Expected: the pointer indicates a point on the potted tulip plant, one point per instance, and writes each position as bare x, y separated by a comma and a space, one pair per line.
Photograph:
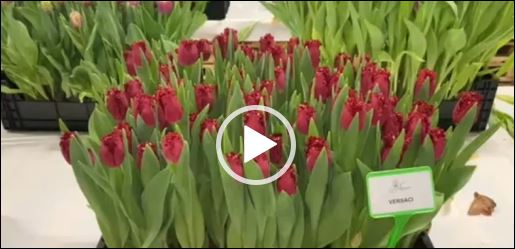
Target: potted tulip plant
149, 171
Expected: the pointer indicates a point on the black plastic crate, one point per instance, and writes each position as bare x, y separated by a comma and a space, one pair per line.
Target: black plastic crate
217, 10
487, 87
29, 115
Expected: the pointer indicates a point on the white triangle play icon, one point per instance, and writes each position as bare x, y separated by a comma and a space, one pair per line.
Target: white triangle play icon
254, 144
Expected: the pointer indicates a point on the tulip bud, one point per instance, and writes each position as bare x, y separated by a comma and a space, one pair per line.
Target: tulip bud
280, 57
66, 138
382, 106
248, 51
205, 95
204, 48
253, 98
266, 42
371, 76
112, 149
125, 127
304, 115
164, 69
288, 182
325, 83
313, 47
276, 153
256, 121
390, 130
209, 125
292, 44
280, 78
264, 165
47, 6
438, 138
314, 147
165, 7
133, 56
223, 40
144, 106
172, 145
141, 150
234, 160
354, 107
133, 88
426, 76
76, 19
268, 85
466, 101
117, 104
169, 106
424, 108
414, 119
341, 60
188, 52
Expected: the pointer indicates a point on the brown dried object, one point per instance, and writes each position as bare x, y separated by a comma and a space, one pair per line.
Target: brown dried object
482, 205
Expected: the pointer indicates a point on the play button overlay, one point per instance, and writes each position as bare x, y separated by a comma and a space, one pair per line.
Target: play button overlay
255, 144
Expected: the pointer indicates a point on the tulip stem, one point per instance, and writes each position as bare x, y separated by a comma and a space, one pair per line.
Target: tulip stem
400, 223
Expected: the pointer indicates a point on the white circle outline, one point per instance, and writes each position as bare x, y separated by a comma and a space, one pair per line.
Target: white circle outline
221, 158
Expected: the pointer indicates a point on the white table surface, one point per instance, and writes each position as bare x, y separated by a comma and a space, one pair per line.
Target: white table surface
42, 206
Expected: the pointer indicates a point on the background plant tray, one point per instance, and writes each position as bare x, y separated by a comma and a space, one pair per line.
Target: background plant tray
487, 87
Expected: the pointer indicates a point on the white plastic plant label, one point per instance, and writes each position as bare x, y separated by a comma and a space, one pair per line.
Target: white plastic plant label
399, 192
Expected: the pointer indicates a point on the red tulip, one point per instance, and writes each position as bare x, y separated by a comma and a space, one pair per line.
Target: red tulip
371, 76
414, 119
133, 88
124, 127
117, 104
390, 130
314, 147
314, 51
66, 138
169, 106
209, 125
253, 98
424, 108
354, 107
188, 52
133, 56
268, 85
466, 101
223, 40
141, 150
164, 69
280, 78
235, 162
382, 106
266, 42
438, 138
172, 145
292, 44
112, 149
288, 182
276, 153
165, 7
192, 118
205, 95
304, 115
248, 51
341, 60
382, 80
256, 121
205, 49
325, 83
264, 165
144, 106
279, 55
426, 76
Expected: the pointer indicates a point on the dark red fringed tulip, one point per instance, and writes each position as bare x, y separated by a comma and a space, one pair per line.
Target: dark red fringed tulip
65, 145
382, 106
205, 95
165, 7
414, 119
188, 53
466, 101
117, 104
292, 44
253, 98
341, 60
314, 147
288, 182
205, 48
279, 55
235, 162
268, 85
133, 88
144, 107
172, 145
391, 128
439, 141
248, 51
426, 76
124, 127
276, 153
223, 40
170, 108
424, 108
164, 69
264, 165
325, 83
313, 47
133, 56
256, 121
304, 115
280, 78
354, 107
209, 125
112, 149
266, 42
372, 76
141, 150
